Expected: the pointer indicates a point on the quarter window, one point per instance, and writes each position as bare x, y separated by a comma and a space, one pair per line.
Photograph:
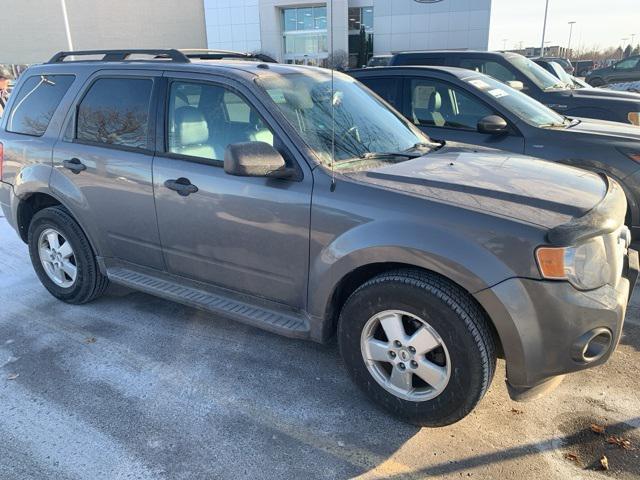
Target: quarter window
439, 104
36, 102
115, 111
203, 119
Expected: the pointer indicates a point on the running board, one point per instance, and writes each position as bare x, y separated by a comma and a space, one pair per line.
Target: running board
289, 324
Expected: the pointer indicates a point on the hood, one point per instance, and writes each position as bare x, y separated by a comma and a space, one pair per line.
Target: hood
535, 191
605, 93
614, 130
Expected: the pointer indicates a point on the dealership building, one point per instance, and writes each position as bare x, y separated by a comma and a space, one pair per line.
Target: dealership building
293, 31
300, 31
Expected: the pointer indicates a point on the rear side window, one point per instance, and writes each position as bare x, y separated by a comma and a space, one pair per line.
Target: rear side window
36, 102
115, 111
488, 67
387, 87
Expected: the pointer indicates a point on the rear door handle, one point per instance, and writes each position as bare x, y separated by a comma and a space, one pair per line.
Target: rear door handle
182, 185
75, 165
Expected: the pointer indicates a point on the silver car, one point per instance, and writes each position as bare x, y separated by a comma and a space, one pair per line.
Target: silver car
297, 202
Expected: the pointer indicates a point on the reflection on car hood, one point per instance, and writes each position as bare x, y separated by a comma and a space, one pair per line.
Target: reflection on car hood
531, 190
605, 93
610, 129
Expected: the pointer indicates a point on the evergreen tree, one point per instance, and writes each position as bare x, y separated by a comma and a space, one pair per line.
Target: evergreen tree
627, 51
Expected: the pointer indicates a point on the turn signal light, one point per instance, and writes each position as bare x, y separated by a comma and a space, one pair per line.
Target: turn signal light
551, 262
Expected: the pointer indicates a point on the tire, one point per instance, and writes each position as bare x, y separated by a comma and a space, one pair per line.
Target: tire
89, 283
596, 82
451, 314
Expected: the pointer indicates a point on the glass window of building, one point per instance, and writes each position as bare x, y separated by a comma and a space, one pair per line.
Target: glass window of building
305, 35
360, 35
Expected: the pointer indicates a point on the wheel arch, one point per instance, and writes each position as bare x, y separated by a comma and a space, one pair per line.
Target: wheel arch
353, 279
29, 205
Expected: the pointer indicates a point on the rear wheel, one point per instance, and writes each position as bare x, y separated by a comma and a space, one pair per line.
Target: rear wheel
63, 258
418, 345
596, 82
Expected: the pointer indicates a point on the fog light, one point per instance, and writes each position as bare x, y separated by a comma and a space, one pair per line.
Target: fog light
592, 346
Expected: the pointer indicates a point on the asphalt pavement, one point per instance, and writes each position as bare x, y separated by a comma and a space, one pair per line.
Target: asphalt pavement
134, 387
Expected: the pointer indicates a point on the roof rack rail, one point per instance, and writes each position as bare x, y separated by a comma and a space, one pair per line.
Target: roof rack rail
122, 55
206, 54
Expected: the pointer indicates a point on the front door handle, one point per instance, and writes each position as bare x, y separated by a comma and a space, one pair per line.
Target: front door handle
75, 165
182, 185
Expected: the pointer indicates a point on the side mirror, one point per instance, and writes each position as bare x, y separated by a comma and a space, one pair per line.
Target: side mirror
255, 159
493, 125
516, 84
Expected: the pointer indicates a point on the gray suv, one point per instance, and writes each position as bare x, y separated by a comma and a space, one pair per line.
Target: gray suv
297, 202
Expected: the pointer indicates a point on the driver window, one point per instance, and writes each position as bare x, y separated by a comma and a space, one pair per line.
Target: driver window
439, 104
203, 119
628, 64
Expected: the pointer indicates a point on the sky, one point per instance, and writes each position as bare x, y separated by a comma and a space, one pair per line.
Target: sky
601, 23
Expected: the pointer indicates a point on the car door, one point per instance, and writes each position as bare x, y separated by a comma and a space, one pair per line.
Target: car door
446, 111
103, 165
246, 234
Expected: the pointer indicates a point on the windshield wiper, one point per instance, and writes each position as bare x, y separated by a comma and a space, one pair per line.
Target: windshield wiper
376, 155
560, 85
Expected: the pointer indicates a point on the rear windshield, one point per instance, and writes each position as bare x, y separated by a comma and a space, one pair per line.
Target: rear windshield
36, 102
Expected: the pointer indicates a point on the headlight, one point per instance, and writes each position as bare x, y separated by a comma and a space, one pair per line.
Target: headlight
584, 266
634, 117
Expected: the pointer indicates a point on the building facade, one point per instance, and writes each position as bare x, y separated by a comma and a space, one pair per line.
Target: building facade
307, 31
34, 29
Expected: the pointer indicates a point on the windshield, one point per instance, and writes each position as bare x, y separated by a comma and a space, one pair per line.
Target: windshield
536, 73
525, 107
363, 124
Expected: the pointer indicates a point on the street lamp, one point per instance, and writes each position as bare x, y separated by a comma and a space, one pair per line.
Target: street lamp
571, 24
66, 24
544, 28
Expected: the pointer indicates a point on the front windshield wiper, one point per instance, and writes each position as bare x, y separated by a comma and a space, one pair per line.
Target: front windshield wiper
380, 155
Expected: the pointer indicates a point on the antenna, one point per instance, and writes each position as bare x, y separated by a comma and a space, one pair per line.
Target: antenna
333, 117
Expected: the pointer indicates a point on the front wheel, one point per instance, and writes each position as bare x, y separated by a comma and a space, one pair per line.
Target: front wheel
418, 346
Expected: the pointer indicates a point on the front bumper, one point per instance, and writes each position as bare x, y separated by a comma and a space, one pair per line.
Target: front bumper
541, 325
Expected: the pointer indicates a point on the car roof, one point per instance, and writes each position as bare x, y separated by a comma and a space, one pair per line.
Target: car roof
229, 67
457, 52
457, 72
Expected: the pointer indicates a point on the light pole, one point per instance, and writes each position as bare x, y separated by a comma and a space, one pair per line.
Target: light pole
66, 24
504, 43
624, 41
571, 24
544, 28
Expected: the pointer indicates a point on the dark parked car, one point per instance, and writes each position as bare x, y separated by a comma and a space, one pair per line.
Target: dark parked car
627, 70
583, 67
557, 71
294, 200
379, 61
524, 74
565, 63
457, 105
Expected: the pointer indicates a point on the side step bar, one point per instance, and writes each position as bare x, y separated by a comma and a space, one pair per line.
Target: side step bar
287, 323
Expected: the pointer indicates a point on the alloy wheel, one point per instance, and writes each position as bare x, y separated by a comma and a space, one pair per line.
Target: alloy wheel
57, 258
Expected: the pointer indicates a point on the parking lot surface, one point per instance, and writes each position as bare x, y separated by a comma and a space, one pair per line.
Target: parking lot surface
131, 386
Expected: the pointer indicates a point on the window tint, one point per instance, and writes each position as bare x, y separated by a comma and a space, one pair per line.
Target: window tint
439, 104
204, 119
418, 59
488, 67
36, 103
387, 88
115, 111
628, 64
